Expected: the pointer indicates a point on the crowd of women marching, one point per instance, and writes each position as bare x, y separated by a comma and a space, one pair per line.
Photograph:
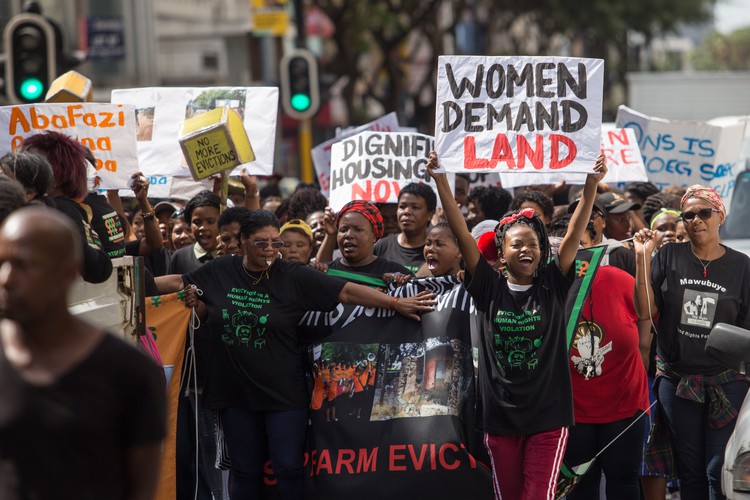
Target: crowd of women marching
253, 270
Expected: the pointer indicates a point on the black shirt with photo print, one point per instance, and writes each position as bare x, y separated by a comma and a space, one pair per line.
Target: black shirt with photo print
690, 304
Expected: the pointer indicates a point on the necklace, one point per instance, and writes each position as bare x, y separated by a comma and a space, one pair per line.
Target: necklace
256, 279
700, 261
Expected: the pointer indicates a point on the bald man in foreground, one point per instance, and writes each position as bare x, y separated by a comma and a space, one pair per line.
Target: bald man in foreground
82, 414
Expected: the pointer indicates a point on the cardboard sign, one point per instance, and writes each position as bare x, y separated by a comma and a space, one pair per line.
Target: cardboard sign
161, 112
108, 130
375, 166
515, 114
321, 154
70, 87
215, 141
624, 163
685, 153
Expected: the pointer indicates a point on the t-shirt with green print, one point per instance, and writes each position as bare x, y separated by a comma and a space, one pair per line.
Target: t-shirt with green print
107, 224
255, 358
524, 379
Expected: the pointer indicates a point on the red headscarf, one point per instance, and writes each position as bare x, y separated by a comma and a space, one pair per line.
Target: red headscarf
369, 211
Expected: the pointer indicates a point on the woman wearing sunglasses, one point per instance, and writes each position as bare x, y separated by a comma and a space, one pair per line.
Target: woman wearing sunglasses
256, 378
692, 286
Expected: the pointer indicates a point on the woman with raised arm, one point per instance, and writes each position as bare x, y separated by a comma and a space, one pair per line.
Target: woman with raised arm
693, 286
524, 380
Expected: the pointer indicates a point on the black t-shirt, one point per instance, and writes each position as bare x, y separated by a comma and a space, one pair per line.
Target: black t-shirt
107, 224
255, 355
97, 267
158, 262
70, 439
377, 268
689, 304
524, 378
389, 248
184, 260
623, 258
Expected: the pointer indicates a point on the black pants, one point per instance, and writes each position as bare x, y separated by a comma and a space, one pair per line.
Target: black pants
621, 462
699, 449
210, 484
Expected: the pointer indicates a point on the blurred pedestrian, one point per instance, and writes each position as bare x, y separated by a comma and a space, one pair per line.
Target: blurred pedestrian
83, 413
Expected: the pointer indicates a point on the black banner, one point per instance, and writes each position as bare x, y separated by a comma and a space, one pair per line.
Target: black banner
393, 401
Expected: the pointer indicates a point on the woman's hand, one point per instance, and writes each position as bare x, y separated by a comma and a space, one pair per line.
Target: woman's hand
329, 222
411, 306
249, 182
320, 266
139, 186
644, 243
191, 296
432, 165
399, 279
600, 170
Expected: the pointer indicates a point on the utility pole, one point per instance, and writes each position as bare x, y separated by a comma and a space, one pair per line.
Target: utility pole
305, 125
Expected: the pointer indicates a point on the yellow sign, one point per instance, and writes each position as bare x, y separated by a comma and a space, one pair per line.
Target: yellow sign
269, 17
215, 141
70, 87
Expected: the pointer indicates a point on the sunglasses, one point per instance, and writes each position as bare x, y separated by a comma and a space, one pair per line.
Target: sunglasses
263, 244
703, 213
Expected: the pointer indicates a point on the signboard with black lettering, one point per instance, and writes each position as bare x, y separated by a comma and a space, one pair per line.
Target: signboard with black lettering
375, 166
321, 154
685, 153
516, 114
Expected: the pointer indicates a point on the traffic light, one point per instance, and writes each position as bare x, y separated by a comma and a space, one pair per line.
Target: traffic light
300, 89
31, 63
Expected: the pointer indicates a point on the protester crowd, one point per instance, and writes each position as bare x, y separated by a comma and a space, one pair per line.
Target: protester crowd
515, 253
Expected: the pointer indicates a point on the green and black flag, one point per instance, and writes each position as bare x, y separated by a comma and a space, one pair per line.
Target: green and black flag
587, 262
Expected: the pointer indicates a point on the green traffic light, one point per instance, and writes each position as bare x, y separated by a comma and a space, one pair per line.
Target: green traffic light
31, 88
300, 102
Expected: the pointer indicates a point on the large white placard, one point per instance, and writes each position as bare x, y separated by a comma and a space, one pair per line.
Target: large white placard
107, 130
375, 166
161, 111
321, 154
685, 153
515, 114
